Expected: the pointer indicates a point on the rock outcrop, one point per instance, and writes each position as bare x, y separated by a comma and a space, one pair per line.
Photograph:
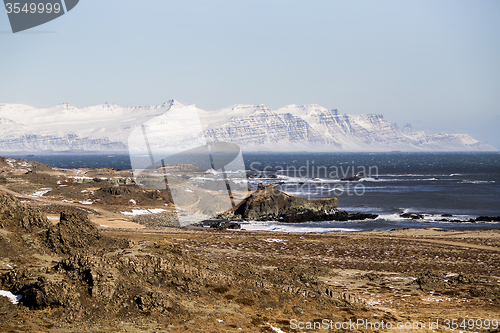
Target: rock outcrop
267, 202
14, 214
74, 230
76, 233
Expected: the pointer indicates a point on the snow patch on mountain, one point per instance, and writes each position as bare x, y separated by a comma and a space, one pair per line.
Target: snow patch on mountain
107, 127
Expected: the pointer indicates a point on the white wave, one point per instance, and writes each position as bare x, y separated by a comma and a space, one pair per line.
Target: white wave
292, 179
477, 182
199, 178
390, 217
295, 227
426, 217
369, 179
403, 175
308, 181
239, 181
401, 179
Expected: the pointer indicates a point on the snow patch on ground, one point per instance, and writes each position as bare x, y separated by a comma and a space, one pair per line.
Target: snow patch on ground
8, 265
136, 212
14, 299
276, 329
274, 240
156, 210
41, 192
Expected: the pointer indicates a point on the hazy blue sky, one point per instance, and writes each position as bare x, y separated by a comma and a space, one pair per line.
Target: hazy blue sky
435, 64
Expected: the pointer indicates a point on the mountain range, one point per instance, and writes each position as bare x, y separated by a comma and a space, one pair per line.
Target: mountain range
311, 127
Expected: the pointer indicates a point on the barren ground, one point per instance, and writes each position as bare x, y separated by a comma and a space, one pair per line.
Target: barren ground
244, 281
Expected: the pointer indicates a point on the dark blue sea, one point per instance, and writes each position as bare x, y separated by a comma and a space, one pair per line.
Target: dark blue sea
463, 185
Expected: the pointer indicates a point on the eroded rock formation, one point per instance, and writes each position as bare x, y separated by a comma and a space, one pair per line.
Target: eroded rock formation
267, 202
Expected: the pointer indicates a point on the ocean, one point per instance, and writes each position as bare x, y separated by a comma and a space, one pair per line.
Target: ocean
437, 186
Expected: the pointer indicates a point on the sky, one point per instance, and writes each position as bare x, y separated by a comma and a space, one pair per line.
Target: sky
434, 64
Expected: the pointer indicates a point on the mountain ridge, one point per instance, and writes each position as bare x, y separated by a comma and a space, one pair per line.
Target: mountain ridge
254, 127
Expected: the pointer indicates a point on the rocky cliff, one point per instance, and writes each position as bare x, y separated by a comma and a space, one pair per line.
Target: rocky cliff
314, 128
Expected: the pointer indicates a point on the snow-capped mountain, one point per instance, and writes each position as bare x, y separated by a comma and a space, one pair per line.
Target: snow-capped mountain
315, 128
107, 127
64, 127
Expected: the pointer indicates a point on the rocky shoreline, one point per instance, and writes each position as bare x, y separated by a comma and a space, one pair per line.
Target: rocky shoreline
448, 218
115, 191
